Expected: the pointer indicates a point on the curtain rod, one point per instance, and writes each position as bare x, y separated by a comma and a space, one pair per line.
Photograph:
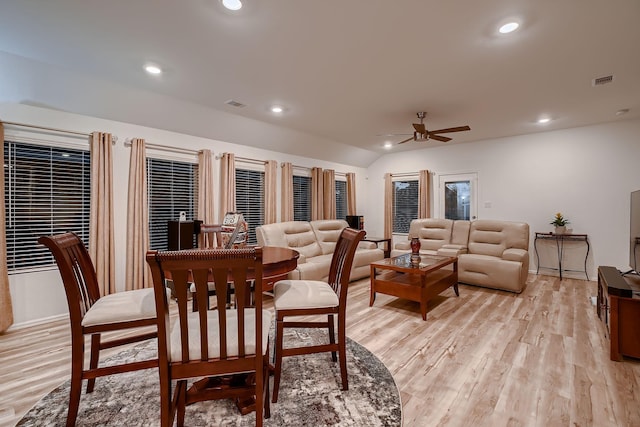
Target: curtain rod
246, 160
405, 174
178, 150
308, 169
71, 132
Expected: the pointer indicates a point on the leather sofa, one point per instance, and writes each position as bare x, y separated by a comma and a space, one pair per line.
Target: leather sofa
491, 253
316, 241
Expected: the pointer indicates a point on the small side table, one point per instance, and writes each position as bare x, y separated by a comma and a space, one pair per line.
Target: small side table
560, 239
377, 240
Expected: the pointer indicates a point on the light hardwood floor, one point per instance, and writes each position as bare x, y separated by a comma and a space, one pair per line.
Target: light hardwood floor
486, 358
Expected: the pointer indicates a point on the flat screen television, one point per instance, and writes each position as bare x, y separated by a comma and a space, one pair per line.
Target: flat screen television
634, 232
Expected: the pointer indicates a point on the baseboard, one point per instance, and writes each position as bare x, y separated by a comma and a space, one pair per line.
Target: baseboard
36, 322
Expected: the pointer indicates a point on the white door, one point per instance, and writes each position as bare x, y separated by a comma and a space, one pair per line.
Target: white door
457, 196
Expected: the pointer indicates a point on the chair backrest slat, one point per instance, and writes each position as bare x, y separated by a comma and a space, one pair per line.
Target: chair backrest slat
342, 260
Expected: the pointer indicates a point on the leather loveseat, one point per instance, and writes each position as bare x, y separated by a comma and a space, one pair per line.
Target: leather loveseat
316, 241
491, 253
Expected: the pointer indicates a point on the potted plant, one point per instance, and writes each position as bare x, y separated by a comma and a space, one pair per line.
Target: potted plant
560, 223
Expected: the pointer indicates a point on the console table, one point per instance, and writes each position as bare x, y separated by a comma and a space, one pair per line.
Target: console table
560, 239
618, 307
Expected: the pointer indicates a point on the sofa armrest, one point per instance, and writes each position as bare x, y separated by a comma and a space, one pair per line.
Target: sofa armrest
367, 245
452, 250
514, 254
405, 246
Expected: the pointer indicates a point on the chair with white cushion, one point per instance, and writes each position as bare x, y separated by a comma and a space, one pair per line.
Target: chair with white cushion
92, 314
211, 346
311, 297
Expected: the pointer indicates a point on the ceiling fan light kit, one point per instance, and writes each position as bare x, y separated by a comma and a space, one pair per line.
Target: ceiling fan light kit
422, 134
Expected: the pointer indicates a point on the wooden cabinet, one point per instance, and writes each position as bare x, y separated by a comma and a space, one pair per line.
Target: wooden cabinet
618, 307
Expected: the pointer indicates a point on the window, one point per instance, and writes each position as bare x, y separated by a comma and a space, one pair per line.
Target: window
250, 199
47, 191
301, 198
405, 204
341, 199
172, 187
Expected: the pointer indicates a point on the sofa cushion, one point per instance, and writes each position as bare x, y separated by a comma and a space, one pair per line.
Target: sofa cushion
433, 232
491, 237
327, 232
296, 235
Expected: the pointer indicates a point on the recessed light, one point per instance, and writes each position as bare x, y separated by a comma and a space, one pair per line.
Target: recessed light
388, 145
544, 120
621, 112
153, 69
232, 4
277, 109
509, 27
66, 155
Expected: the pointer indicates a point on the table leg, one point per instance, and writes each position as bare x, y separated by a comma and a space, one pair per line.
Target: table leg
372, 292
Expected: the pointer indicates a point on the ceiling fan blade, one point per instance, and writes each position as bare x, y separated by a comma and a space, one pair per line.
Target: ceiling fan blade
447, 130
419, 127
406, 140
439, 138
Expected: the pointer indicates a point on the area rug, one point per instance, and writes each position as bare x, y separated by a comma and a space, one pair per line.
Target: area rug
310, 394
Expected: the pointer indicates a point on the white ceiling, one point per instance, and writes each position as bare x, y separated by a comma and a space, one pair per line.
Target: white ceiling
345, 71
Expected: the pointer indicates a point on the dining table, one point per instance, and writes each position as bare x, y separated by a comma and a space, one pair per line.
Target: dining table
277, 262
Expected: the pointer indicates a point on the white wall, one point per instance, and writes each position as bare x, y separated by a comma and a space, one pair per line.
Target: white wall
40, 295
586, 173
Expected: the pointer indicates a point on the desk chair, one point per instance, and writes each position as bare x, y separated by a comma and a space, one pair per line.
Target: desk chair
310, 297
91, 314
211, 344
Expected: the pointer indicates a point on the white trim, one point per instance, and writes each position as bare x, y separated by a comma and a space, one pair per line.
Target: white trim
36, 322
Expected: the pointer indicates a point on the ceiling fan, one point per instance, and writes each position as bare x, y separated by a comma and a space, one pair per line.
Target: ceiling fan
422, 134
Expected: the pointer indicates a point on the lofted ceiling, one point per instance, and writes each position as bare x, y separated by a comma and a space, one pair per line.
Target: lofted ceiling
346, 72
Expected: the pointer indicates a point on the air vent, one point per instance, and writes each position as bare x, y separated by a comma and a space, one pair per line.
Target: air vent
602, 80
235, 103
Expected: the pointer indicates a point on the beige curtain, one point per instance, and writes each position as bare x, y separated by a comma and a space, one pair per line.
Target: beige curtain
286, 202
388, 206
206, 203
329, 199
6, 309
101, 244
351, 193
317, 194
424, 196
227, 184
270, 191
138, 275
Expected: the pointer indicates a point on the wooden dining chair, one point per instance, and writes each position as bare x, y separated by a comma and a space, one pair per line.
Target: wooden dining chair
311, 297
90, 314
211, 344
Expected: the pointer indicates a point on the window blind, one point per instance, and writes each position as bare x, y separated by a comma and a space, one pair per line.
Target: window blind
172, 187
341, 199
47, 191
301, 198
250, 199
405, 204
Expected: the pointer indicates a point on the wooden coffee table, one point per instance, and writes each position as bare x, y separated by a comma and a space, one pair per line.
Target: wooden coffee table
398, 277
